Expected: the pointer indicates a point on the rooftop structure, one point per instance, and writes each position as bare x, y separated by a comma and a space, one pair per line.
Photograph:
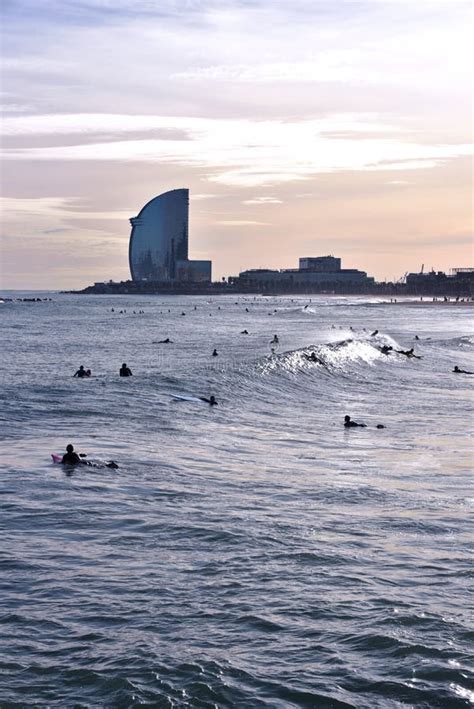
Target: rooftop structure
320, 264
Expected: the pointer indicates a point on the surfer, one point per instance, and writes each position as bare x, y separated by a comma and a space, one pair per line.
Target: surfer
244, 332
215, 353
211, 401
275, 340
71, 457
385, 349
409, 353
456, 370
81, 372
164, 342
125, 371
375, 332
313, 358
348, 423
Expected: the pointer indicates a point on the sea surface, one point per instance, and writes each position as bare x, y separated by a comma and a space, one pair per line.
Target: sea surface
251, 554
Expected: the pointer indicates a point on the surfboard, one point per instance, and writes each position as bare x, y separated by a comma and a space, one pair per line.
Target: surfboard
187, 397
90, 463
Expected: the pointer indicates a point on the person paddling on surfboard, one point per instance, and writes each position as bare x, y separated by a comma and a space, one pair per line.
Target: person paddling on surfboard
71, 457
456, 370
348, 423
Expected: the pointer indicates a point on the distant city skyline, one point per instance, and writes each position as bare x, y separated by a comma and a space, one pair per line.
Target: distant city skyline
300, 128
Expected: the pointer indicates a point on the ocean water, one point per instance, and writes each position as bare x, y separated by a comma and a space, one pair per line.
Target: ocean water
252, 554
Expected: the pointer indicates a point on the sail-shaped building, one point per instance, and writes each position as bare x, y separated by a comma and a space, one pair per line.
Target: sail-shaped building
159, 242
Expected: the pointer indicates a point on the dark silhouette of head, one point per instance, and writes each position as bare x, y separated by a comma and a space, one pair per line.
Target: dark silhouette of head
70, 448
347, 419
124, 365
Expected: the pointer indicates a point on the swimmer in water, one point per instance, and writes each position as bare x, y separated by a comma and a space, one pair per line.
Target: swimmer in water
164, 342
353, 424
385, 349
244, 332
215, 353
275, 340
456, 370
81, 372
125, 371
211, 401
71, 457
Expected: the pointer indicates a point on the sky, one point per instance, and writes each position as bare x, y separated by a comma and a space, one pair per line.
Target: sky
301, 128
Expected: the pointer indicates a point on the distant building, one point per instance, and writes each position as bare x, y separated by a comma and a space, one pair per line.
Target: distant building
158, 248
315, 274
460, 282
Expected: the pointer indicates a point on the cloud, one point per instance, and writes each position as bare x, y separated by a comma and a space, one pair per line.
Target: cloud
17, 208
200, 197
239, 152
241, 222
263, 200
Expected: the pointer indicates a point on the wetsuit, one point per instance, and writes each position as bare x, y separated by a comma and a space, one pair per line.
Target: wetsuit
353, 424
212, 402
125, 372
71, 459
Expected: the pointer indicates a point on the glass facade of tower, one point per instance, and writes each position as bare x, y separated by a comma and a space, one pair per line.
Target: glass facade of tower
159, 238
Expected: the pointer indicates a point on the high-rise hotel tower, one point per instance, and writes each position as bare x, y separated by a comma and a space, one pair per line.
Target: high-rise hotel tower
159, 242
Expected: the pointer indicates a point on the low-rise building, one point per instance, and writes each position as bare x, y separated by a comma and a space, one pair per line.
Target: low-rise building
315, 274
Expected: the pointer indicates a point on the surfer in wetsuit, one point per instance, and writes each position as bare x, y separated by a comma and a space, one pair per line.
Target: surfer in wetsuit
353, 424
125, 371
375, 332
385, 349
71, 457
313, 358
211, 401
165, 342
81, 372
408, 353
456, 370
244, 332
215, 353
